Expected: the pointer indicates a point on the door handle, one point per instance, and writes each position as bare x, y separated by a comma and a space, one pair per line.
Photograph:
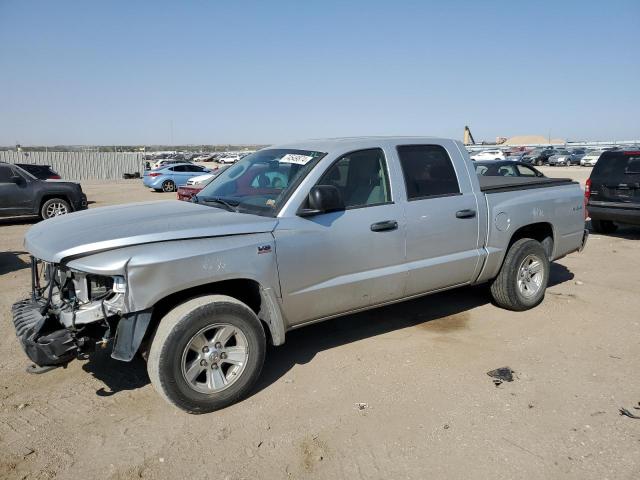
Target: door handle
467, 213
384, 226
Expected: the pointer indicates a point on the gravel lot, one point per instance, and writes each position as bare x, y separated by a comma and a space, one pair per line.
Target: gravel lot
418, 369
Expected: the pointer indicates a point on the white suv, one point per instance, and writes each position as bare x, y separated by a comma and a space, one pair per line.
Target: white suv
488, 155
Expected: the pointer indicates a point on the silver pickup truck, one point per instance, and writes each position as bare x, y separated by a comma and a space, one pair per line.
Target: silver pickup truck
288, 236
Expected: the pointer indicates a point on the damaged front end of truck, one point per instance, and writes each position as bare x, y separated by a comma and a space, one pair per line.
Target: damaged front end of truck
70, 314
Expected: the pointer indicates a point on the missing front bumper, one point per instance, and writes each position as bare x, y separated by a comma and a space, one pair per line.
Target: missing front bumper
44, 342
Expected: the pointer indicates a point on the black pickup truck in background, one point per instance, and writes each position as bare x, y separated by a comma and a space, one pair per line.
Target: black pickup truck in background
613, 190
23, 194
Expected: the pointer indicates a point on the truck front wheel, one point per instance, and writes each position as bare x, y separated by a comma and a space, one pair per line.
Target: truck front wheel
207, 353
523, 278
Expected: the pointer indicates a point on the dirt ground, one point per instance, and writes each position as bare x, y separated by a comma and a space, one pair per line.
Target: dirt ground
417, 369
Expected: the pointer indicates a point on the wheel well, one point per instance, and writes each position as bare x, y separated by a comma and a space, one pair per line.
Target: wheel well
49, 196
542, 232
245, 290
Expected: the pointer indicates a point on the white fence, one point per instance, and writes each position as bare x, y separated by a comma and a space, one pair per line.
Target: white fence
81, 165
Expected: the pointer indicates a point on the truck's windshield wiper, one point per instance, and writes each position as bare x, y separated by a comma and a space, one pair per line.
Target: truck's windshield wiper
230, 206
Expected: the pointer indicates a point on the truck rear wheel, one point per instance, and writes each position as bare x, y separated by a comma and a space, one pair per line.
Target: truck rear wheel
207, 353
523, 278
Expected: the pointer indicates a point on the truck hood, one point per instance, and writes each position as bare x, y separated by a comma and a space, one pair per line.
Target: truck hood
90, 231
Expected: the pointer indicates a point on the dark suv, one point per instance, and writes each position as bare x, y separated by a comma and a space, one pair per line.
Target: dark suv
612, 191
23, 194
538, 156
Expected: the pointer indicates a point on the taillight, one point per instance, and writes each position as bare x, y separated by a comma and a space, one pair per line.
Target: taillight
54, 177
155, 174
587, 189
587, 194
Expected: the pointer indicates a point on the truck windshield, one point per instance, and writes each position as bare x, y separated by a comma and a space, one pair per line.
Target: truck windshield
260, 183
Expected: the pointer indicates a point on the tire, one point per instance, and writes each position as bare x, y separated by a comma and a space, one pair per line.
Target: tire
603, 226
506, 287
168, 186
54, 207
539, 163
568, 163
170, 355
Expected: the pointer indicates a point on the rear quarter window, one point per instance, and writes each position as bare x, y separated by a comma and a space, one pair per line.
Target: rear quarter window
633, 165
617, 165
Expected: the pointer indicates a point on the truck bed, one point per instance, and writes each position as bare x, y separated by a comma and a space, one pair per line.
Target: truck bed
507, 184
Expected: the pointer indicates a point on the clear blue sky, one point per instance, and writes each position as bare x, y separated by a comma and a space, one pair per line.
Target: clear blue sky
119, 72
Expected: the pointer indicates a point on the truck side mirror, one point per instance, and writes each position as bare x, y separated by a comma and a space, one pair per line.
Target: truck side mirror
322, 199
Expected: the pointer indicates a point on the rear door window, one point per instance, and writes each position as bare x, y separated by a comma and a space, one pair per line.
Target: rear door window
428, 171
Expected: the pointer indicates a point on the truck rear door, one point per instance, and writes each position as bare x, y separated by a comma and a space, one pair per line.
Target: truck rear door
441, 211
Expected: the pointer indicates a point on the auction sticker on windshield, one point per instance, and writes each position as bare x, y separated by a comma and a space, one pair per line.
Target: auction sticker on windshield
296, 158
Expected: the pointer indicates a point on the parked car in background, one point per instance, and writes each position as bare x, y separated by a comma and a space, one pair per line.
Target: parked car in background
164, 162
41, 172
564, 157
168, 179
591, 158
612, 191
200, 179
203, 157
23, 194
538, 156
579, 153
488, 155
195, 184
514, 157
506, 168
229, 159
293, 235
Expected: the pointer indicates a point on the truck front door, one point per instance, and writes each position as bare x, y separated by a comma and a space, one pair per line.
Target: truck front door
337, 262
442, 219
